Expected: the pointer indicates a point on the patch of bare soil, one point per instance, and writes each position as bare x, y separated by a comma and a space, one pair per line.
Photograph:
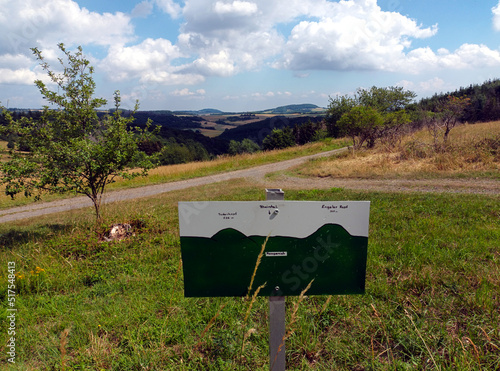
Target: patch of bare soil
477, 186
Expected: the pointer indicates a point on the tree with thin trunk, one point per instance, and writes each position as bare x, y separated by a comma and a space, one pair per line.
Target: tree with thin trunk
70, 148
450, 112
447, 116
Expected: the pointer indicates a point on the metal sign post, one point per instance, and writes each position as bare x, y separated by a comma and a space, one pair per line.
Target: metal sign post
277, 312
324, 241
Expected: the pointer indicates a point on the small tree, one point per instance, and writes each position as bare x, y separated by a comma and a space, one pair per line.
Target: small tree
245, 146
447, 116
394, 127
450, 113
279, 139
249, 146
361, 124
306, 132
389, 102
336, 108
385, 100
69, 148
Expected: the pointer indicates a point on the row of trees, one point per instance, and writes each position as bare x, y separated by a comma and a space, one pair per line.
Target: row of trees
298, 135
385, 113
369, 114
484, 101
281, 138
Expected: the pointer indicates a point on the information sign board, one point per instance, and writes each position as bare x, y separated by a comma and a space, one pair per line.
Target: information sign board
321, 240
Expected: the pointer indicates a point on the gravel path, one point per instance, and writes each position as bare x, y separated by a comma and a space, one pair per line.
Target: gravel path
43, 208
257, 174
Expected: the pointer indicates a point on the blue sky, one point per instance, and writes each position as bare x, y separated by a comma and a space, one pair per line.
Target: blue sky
245, 55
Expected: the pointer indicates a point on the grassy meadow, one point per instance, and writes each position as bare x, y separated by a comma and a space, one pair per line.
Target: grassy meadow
190, 170
473, 151
431, 301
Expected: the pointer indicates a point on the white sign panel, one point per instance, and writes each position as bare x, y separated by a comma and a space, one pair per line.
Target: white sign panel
297, 219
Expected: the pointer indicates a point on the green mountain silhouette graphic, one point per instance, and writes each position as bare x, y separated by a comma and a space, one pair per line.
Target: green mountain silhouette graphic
223, 264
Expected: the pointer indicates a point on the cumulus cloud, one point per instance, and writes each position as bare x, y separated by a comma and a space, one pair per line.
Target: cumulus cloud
496, 17
200, 93
149, 61
142, 10
466, 56
227, 37
432, 85
356, 35
239, 8
16, 69
17, 76
215, 64
230, 36
45, 23
170, 7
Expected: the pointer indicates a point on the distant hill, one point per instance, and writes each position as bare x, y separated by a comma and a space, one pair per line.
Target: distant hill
294, 108
282, 110
205, 111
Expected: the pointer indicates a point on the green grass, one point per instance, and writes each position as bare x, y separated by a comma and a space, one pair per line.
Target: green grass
431, 302
172, 173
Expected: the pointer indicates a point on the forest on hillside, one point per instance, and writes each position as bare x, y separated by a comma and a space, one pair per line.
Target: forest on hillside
484, 101
178, 141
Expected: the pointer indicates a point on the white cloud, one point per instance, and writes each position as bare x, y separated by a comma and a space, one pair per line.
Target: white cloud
216, 64
496, 17
14, 60
142, 10
43, 24
227, 37
357, 35
200, 93
233, 36
16, 69
237, 35
170, 7
428, 86
466, 56
239, 8
433, 85
232, 53
149, 61
17, 76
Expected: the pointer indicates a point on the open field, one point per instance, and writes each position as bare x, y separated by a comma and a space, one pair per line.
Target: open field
217, 128
474, 151
431, 302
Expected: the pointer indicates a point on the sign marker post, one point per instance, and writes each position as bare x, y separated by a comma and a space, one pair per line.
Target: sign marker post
277, 327
324, 241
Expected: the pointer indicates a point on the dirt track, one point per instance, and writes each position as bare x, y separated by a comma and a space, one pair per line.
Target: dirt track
257, 174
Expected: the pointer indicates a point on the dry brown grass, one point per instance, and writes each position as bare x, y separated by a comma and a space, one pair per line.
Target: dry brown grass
472, 148
101, 350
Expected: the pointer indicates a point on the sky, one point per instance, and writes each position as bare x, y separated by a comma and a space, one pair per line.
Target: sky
249, 55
